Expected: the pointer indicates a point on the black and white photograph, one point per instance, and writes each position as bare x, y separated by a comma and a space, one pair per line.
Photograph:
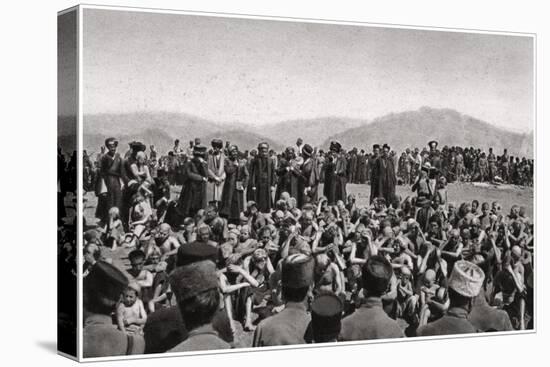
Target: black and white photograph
252, 182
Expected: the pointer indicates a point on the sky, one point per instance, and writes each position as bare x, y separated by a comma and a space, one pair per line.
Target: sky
264, 71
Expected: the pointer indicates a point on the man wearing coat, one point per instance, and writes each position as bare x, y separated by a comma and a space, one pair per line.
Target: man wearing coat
262, 179
372, 174
236, 180
216, 173
384, 179
309, 181
113, 173
339, 179
193, 194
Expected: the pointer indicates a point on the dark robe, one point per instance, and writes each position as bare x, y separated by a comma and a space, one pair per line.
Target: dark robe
361, 168
113, 173
339, 179
328, 188
287, 181
232, 203
262, 177
193, 194
384, 174
352, 169
373, 177
309, 179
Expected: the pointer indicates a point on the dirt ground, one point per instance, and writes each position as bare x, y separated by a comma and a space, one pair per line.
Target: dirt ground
507, 195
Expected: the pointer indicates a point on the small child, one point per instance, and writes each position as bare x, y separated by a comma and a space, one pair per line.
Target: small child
114, 230
406, 299
428, 291
130, 312
141, 276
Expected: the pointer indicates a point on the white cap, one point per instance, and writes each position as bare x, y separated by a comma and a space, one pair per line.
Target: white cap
466, 278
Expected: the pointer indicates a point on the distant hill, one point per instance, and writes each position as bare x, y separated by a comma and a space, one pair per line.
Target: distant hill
245, 140
177, 125
447, 126
312, 131
400, 130
159, 129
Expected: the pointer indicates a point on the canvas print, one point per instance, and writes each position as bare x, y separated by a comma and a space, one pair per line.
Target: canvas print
252, 182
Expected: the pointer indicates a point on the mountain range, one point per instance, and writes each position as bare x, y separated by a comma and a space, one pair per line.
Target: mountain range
399, 130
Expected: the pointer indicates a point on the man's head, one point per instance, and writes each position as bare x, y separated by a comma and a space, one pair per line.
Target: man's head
102, 288
164, 231
196, 289
137, 259
376, 149
377, 274
217, 145
111, 144
203, 233
263, 149
465, 283
326, 316
299, 142
296, 277
92, 253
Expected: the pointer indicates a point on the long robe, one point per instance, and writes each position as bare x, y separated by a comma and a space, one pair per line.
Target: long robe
193, 194
385, 177
339, 180
215, 169
113, 174
288, 181
373, 177
352, 169
328, 181
361, 168
309, 179
262, 177
232, 203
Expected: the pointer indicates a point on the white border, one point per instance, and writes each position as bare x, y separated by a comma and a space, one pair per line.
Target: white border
81, 7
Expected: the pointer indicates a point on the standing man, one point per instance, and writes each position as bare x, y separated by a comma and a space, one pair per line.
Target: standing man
263, 179
236, 180
384, 174
193, 195
465, 284
216, 173
370, 321
338, 179
112, 172
309, 179
373, 176
289, 326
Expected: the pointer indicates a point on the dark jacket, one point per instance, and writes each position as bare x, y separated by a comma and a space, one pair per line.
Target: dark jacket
370, 321
454, 322
193, 194
285, 328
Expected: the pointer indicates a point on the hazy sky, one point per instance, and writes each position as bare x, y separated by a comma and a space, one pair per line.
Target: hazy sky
260, 71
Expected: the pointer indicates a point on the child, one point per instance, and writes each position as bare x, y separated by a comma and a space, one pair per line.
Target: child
434, 300
406, 299
258, 270
140, 215
114, 229
130, 312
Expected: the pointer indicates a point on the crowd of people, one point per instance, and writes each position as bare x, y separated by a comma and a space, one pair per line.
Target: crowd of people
252, 243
